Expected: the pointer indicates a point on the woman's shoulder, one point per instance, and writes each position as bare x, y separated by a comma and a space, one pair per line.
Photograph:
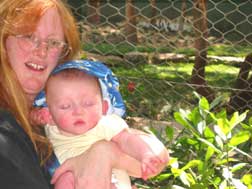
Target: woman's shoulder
9, 126
13, 139
19, 163
7, 121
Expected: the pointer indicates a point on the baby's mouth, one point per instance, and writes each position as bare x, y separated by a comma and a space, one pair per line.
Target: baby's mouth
79, 123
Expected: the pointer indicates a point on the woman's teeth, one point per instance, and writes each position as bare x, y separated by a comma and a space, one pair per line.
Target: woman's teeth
35, 66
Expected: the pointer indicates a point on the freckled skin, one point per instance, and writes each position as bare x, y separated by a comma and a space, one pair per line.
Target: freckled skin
32, 80
75, 104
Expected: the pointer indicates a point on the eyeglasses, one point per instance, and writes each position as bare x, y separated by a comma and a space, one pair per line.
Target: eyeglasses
53, 46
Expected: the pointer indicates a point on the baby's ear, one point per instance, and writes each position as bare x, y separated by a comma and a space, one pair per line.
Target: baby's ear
105, 107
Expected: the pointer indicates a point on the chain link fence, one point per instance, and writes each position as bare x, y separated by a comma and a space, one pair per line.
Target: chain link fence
163, 50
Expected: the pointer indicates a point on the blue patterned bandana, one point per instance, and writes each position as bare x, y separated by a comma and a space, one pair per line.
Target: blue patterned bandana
109, 84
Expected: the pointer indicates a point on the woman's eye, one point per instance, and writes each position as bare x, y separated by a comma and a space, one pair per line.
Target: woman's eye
29, 37
54, 43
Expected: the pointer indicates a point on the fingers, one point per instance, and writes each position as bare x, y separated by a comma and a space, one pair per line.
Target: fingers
147, 171
39, 116
150, 167
59, 171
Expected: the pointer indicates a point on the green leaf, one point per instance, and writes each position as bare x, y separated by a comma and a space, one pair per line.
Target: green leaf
219, 142
216, 180
250, 121
226, 160
203, 104
176, 172
239, 138
162, 177
190, 164
208, 133
236, 119
209, 153
210, 145
180, 119
197, 95
219, 132
247, 179
213, 116
238, 166
184, 178
224, 125
190, 178
192, 141
153, 130
169, 132
247, 127
198, 186
216, 101
195, 116
222, 114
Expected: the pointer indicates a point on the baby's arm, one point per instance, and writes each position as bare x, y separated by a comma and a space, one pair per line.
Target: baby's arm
145, 148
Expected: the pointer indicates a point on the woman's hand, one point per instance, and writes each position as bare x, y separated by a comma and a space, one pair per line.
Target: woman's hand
40, 116
92, 169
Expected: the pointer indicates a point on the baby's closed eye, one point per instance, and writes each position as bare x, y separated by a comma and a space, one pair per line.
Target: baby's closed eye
64, 106
87, 103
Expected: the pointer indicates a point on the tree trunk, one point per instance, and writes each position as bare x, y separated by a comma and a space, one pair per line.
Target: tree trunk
201, 45
130, 28
93, 12
241, 99
182, 17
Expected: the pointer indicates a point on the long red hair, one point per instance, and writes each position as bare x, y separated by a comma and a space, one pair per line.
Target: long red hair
20, 17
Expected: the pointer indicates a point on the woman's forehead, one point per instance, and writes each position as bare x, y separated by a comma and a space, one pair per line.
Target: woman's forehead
25, 18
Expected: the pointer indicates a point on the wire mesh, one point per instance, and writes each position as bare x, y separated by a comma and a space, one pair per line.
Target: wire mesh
163, 50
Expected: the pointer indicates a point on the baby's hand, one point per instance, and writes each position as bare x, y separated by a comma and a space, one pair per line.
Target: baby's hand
150, 165
40, 116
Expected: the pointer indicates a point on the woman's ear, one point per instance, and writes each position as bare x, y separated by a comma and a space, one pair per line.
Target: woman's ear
105, 107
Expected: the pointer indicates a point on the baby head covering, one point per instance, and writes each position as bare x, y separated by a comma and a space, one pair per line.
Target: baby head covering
108, 82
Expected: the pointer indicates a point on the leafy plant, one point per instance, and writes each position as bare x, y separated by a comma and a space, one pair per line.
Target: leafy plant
209, 152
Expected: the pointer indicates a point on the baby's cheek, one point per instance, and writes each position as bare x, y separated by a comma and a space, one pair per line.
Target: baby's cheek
64, 121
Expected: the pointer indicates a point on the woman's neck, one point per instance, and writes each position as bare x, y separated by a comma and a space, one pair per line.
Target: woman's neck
30, 99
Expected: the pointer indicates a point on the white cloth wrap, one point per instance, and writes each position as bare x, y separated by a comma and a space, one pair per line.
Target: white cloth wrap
70, 146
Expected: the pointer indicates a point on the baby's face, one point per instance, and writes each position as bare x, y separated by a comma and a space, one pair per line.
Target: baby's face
75, 104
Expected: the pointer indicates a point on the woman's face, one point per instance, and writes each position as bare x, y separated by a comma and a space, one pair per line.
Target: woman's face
33, 65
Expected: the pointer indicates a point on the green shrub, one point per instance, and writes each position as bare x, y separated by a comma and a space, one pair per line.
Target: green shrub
213, 150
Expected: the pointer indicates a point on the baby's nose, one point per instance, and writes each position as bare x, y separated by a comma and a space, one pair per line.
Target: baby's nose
78, 110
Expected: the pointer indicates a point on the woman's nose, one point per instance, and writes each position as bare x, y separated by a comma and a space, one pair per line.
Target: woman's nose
41, 51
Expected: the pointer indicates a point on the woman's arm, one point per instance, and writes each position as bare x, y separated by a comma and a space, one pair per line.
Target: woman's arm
92, 170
